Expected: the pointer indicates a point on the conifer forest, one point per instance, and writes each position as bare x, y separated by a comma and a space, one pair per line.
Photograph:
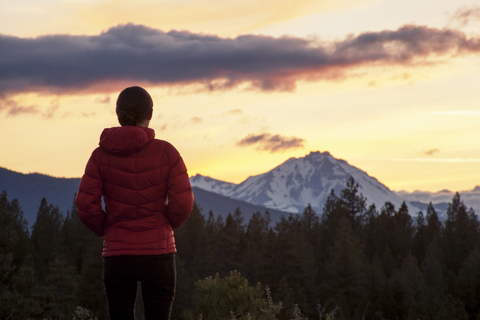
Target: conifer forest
349, 262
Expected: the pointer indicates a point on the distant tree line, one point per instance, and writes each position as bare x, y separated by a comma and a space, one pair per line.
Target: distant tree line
363, 262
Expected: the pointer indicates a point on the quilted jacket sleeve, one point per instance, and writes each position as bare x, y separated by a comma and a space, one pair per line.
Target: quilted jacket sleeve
89, 198
180, 195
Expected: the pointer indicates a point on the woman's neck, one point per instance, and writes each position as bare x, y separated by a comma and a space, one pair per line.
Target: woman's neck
144, 123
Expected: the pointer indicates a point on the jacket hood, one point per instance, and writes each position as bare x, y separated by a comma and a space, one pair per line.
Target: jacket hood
121, 141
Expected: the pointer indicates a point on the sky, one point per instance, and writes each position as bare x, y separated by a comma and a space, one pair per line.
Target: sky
240, 86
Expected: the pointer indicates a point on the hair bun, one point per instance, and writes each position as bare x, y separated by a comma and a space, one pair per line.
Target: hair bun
127, 118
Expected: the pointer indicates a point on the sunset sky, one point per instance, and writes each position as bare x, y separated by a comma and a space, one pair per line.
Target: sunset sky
239, 86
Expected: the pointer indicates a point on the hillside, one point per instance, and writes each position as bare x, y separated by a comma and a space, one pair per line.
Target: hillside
29, 189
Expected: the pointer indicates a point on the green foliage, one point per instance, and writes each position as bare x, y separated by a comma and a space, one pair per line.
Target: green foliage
83, 314
16, 271
297, 314
451, 308
345, 271
467, 286
89, 292
46, 238
231, 297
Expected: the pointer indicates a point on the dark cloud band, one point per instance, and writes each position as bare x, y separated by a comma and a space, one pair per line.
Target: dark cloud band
138, 54
272, 143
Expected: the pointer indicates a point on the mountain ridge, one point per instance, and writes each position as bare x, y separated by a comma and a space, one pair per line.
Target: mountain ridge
287, 188
297, 182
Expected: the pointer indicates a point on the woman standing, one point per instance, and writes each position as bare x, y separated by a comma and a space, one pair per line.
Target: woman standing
147, 193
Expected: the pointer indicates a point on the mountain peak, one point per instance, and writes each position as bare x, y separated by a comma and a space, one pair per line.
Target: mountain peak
314, 155
318, 153
295, 183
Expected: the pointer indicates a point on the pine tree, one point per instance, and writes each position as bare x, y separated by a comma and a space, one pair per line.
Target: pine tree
74, 238
16, 271
434, 229
419, 245
451, 308
286, 294
190, 240
353, 202
395, 230
255, 237
414, 283
46, 238
375, 280
389, 264
350, 205
467, 286
458, 239
403, 231
272, 271
382, 230
345, 271
89, 293
419, 307
308, 291
383, 238
456, 218
61, 281
433, 273
369, 220
213, 226
230, 242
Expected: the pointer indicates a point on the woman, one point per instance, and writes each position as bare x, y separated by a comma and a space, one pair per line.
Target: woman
147, 194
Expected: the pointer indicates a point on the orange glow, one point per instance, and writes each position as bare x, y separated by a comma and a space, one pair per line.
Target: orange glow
412, 126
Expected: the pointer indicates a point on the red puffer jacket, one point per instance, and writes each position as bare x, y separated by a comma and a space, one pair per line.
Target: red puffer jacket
146, 190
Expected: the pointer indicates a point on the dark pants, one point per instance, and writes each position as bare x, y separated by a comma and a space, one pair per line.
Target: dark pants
157, 275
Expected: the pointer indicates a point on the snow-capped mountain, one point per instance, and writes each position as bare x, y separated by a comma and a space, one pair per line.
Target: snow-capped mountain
299, 181
212, 185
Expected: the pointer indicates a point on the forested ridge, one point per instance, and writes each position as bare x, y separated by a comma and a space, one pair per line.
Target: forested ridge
367, 263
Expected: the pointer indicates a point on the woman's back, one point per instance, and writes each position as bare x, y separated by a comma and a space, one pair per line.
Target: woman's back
136, 173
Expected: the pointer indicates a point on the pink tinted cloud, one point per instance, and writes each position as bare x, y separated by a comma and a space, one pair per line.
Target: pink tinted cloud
138, 54
272, 143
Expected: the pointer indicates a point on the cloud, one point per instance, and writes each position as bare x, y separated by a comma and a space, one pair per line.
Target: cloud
272, 143
87, 115
466, 15
106, 99
196, 120
136, 54
429, 152
14, 109
233, 112
240, 115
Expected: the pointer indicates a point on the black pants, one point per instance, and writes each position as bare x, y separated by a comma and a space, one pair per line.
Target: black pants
157, 275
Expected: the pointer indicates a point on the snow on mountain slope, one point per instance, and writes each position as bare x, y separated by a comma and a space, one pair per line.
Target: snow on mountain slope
209, 184
299, 181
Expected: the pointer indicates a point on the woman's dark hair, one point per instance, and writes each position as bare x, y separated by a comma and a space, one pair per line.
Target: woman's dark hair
133, 106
